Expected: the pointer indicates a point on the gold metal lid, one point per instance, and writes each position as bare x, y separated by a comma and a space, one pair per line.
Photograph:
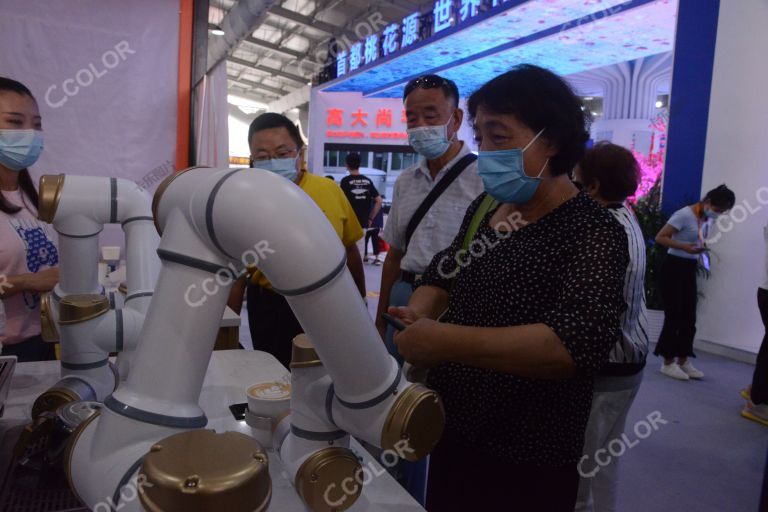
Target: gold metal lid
200, 471
49, 192
123, 288
329, 480
80, 308
303, 354
52, 400
48, 329
414, 424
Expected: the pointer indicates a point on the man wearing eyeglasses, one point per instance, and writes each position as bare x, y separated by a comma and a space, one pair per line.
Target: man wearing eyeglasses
425, 214
276, 146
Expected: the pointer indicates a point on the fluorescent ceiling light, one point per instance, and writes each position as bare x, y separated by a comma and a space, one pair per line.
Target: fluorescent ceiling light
217, 31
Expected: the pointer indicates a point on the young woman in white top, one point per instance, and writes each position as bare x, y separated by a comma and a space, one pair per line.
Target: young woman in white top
682, 234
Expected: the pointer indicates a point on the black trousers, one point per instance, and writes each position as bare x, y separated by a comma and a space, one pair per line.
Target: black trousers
460, 479
372, 234
31, 350
272, 323
679, 294
760, 379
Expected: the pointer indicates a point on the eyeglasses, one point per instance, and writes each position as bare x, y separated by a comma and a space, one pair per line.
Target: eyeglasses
263, 156
427, 82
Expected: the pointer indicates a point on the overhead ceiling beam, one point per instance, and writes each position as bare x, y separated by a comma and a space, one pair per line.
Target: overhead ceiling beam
267, 69
237, 24
275, 47
256, 85
308, 22
295, 99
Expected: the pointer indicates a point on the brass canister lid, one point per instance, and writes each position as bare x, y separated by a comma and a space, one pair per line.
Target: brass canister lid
303, 353
80, 308
49, 188
200, 471
414, 424
52, 399
48, 329
329, 480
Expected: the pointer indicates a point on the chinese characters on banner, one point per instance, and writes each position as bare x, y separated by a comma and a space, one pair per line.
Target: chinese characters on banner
398, 36
359, 125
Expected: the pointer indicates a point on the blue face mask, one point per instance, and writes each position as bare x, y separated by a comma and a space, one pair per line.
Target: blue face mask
20, 148
285, 167
430, 141
504, 177
711, 215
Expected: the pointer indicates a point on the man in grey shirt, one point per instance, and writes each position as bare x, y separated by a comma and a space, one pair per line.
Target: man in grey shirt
434, 118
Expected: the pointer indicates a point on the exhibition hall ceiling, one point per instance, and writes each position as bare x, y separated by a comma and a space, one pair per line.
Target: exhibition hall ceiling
469, 41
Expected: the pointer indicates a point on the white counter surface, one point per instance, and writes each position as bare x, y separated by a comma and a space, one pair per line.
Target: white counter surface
229, 373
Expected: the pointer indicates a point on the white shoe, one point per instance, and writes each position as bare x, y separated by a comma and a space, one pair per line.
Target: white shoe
673, 370
691, 371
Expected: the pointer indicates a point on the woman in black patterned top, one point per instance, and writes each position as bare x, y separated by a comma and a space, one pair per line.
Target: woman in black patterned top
529, 312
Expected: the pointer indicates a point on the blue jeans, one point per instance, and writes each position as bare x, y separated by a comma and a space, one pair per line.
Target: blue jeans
399, 296
411, 475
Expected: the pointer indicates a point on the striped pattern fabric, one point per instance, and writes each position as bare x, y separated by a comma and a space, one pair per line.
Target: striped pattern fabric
633, 346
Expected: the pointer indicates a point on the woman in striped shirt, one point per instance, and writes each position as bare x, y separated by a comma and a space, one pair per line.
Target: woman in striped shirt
610, 174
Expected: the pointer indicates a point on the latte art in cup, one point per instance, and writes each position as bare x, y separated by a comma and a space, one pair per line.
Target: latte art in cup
270, 391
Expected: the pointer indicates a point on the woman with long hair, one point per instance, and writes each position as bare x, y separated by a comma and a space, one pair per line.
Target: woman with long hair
28, 254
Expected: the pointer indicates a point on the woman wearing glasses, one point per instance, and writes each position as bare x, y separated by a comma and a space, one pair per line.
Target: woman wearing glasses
529, 295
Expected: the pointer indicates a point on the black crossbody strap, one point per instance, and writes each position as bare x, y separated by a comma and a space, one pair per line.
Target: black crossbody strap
435, 193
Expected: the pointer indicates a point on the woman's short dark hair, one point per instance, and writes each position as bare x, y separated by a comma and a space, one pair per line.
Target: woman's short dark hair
613, 167
721, 197
541, 100
25, 180
353, 161
272, 120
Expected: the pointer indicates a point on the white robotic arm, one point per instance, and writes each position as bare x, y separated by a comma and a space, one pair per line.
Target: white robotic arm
89, 325
214, 222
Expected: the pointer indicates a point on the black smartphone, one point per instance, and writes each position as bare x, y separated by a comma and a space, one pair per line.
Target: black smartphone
394, 322
238, 411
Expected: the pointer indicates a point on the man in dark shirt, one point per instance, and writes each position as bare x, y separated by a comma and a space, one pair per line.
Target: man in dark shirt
362, 195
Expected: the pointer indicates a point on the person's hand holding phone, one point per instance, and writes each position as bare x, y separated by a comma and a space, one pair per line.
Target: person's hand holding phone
694, 248
404, 314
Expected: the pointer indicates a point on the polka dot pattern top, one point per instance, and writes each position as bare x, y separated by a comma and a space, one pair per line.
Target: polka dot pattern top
566, 271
